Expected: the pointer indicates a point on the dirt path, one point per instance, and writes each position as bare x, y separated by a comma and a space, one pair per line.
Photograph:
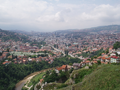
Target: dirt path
20, 84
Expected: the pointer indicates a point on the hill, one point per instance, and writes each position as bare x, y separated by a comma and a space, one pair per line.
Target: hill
20, 31
114, 28
8, 35
101, 28
104, 77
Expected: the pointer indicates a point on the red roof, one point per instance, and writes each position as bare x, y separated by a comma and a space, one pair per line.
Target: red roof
64, 66
87, 61
41, 80
103, 58
60, 68
94, 61
114, 57
108, 58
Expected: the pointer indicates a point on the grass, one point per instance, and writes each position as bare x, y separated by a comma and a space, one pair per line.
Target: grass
52, 85
36, 79
24, 88
78, 75
104, 77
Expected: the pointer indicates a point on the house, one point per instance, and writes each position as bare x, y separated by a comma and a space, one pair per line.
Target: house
10, 56
103, 59
94, 62
114, 59
88, 62
41, 81
69, 67
6, 62
118, 53
82, 64
63, 68
112, 54
107, 60
76, 65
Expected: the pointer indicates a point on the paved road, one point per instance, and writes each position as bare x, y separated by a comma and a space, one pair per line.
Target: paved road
58, 50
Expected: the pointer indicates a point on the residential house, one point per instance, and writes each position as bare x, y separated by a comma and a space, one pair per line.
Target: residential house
69, 67
114, 59
83, 64
87, 62
6, 62
76, 65
107, 60
41, 81
63, 68
112, 54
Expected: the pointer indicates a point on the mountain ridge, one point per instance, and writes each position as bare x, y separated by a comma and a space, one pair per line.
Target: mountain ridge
92, 29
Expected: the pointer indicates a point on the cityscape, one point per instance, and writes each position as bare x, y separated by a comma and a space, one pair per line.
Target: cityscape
59, 44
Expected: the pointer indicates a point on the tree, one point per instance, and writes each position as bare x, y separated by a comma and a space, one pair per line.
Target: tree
107, 51
116, 45
7, 49
98, 62
66, 52
70, 64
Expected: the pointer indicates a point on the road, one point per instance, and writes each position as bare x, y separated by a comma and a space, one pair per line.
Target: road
58, 50
62, 52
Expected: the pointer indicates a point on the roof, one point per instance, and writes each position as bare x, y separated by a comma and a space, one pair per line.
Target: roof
115, 57
76, 64
64, 66
94, 61
87, 61
60, 68
99, 57
6, 62
103, 58
41, 80
108, 58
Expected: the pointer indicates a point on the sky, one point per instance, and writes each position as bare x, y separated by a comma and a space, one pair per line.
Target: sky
51, 15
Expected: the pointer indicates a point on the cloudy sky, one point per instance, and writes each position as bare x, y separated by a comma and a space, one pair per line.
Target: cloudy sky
51, 15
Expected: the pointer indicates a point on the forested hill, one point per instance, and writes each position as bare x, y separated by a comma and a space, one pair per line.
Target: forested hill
7, 35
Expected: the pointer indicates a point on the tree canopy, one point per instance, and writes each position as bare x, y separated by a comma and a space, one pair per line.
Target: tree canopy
116, 45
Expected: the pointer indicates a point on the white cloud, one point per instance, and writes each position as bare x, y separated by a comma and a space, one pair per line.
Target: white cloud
57, 0
43, 15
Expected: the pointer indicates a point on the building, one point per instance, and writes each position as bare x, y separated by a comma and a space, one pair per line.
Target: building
63, 68
114, 59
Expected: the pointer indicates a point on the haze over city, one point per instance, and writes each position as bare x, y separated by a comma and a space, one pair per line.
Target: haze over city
51, 15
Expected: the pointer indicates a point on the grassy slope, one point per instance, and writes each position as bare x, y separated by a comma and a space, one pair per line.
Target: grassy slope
36, 79
105, 77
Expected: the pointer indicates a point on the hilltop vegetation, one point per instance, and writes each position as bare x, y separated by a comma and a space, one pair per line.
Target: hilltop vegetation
104, 77
116, 45
7, 35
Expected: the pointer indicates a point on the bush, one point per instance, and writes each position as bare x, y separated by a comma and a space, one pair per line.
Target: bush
62, 85
99, 62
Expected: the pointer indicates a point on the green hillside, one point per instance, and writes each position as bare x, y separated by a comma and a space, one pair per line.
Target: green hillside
7, 35
104, 77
